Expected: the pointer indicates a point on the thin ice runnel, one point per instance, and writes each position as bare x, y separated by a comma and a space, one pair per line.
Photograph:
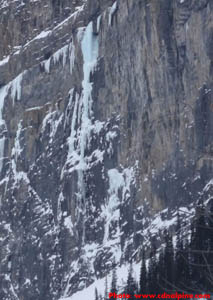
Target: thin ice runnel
72, 56
90, 54
73, 133
112, 11
2, 142
3, 94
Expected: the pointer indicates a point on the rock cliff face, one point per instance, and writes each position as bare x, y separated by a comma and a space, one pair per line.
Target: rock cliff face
106, 120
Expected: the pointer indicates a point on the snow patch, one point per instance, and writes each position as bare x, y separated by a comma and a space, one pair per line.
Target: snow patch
208, 185
68, 224
17, 147
16, 151
42, 35
118, 182
34, 108
4, 61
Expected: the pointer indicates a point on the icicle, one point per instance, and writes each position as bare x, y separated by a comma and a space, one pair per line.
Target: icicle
47, 66
112, 11
72, 56
16, 87
2, 142
61, 52
72, 137
3, 94
98, 23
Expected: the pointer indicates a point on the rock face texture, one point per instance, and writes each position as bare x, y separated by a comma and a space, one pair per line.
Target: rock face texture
106, 120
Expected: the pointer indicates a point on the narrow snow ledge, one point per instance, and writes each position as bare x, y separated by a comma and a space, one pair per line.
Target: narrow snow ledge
55, 32
42, 35
4, 61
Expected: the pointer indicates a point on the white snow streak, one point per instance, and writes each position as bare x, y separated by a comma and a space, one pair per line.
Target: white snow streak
42, 35
4, 61
208, 185
98, 23
3, 94
117, 182
72, 138
2, 142
17, 147
16, 151
112, 11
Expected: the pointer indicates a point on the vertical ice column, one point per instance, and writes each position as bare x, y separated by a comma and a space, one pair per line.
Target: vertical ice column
3, 94
16, 87
2, 141
89, 47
